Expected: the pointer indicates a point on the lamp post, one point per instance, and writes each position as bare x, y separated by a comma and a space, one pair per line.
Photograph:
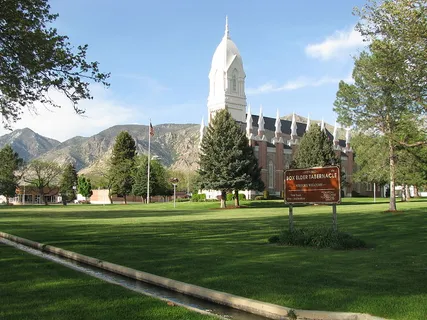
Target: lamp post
174, 181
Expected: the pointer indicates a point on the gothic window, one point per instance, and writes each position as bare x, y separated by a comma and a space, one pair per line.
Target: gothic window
234, 83
270, 175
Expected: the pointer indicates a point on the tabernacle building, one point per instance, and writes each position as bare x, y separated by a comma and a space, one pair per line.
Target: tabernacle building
274, 140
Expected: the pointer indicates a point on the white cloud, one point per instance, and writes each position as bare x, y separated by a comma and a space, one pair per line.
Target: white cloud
63, 123
341, 44
299, 83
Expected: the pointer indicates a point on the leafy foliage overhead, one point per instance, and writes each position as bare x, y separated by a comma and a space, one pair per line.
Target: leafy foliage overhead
34, 58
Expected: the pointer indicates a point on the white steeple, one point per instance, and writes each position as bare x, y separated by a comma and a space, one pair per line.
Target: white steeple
261, 121
335, 132
202, 131
307, 127
322, 125
347, 136
278, 123
227, 80
293, 127
249, 123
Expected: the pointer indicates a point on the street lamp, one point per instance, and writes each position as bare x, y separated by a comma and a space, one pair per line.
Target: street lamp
174, 181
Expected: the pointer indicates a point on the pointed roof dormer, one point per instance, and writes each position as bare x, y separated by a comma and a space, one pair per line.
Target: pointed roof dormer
278, 123
293, 127
322, 125
261, 121
249, 124
335, 134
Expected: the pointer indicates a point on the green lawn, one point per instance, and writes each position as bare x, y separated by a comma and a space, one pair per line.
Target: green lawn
227, 250
33, 288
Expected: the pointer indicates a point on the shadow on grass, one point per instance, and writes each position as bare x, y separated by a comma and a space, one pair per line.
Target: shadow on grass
228, 251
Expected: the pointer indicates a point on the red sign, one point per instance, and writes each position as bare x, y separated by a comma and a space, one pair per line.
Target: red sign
313, 185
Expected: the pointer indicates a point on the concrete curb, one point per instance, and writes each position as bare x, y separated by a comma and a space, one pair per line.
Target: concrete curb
253, 306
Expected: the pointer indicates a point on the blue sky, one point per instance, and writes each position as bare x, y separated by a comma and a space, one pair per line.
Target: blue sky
159, 55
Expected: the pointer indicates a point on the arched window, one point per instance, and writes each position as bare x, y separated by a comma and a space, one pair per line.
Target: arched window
234, 83
270, 175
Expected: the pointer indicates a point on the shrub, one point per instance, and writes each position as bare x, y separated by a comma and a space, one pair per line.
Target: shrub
318, 237
259, 198
266, 195
198, 197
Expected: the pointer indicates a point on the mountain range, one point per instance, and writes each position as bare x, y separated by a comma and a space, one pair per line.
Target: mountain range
174, 145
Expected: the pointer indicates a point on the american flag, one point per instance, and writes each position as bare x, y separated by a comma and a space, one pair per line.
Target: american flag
151, 130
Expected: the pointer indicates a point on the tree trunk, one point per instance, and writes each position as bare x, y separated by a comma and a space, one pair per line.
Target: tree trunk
416, 192
236, 198
403, 194
392, 204
124, 197
407, 192
223, 199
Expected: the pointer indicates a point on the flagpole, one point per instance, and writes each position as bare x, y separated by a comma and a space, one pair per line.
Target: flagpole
149, 158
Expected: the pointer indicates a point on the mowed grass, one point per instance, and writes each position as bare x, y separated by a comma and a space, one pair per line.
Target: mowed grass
33, 288
227, 250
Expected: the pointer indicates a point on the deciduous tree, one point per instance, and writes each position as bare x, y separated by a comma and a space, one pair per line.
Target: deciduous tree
43, 175
34, 58
375, 101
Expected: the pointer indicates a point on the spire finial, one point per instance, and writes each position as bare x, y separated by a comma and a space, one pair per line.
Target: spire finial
227, 33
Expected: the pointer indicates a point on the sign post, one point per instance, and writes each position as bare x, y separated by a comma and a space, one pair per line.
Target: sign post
319, 185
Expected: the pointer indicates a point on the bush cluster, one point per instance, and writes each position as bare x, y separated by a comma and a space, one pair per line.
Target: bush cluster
320, 237
198, 197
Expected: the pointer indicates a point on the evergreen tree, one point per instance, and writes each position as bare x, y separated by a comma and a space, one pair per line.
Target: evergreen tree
10, 163
84, 187
68, 183
315, 150
159, 184
123, 164
227, 162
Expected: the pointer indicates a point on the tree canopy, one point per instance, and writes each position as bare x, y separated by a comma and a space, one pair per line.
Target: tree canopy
43, 175
402, 26
315, 150
159, 183
34, 58
84, 186
227, 161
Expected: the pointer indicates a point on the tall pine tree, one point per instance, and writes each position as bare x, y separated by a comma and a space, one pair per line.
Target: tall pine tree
10, 163
123, 164
315, 150
227, 162
68, 183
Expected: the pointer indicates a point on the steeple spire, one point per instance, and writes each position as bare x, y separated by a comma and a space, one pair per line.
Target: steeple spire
278, 123
227, 33
293, 127
335, 132
249, 123
308, 123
